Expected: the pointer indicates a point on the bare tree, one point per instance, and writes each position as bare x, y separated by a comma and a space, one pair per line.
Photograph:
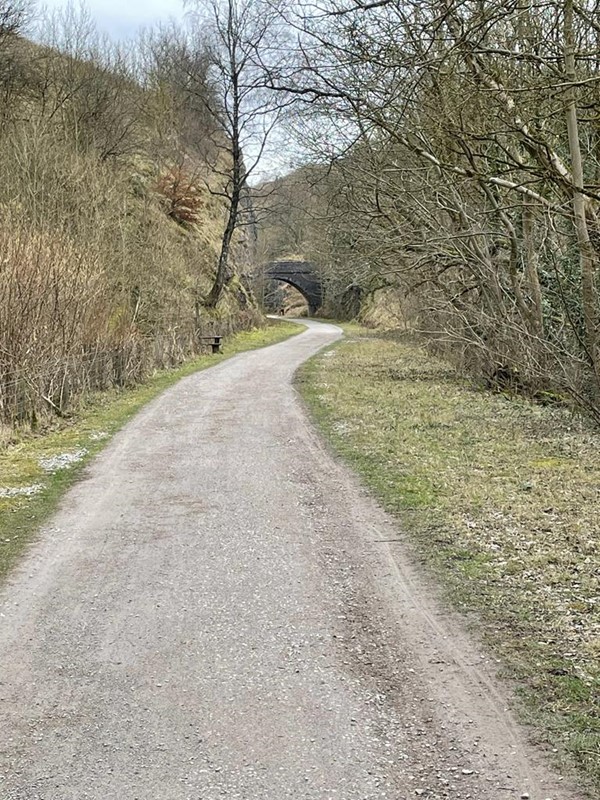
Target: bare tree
464, 171
240, 38
14, 16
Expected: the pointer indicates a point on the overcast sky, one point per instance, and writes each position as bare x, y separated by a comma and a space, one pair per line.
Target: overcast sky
122, 18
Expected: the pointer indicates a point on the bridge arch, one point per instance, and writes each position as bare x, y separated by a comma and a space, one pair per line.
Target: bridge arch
302, 276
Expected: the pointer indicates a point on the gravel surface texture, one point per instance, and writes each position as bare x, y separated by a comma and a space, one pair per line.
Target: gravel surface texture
219, 610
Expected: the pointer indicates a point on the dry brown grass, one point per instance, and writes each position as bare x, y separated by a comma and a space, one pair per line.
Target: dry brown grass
100, 283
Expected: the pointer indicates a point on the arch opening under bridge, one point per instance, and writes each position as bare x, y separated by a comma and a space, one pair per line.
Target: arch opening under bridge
302, 276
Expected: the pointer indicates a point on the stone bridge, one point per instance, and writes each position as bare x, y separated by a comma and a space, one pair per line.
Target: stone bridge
302, 276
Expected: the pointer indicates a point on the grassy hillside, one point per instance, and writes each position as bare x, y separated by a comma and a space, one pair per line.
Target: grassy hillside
110, 221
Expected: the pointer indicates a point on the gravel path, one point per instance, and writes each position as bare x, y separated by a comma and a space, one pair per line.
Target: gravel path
219, 611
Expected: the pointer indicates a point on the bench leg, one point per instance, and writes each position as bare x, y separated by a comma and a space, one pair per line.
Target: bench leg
216, 348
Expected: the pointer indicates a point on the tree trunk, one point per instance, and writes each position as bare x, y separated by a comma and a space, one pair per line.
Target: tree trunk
223, 275
587, 255
530, 260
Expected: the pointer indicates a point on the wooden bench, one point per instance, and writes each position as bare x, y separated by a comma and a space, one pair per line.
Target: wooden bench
213, 341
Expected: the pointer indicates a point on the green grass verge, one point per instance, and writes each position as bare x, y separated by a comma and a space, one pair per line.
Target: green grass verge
501, 499
85, 433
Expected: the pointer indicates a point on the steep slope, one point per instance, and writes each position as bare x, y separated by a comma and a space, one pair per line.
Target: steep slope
110, 220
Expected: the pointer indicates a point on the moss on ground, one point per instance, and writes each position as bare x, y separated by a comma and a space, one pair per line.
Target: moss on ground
501, 498
74, 441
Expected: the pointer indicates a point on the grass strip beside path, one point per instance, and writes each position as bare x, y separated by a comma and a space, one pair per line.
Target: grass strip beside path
72, 443
500, 496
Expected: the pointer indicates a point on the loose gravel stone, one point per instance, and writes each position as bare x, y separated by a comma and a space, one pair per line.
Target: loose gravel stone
62, 460
21, 491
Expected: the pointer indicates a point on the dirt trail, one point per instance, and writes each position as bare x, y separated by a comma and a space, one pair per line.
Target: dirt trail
219, 610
